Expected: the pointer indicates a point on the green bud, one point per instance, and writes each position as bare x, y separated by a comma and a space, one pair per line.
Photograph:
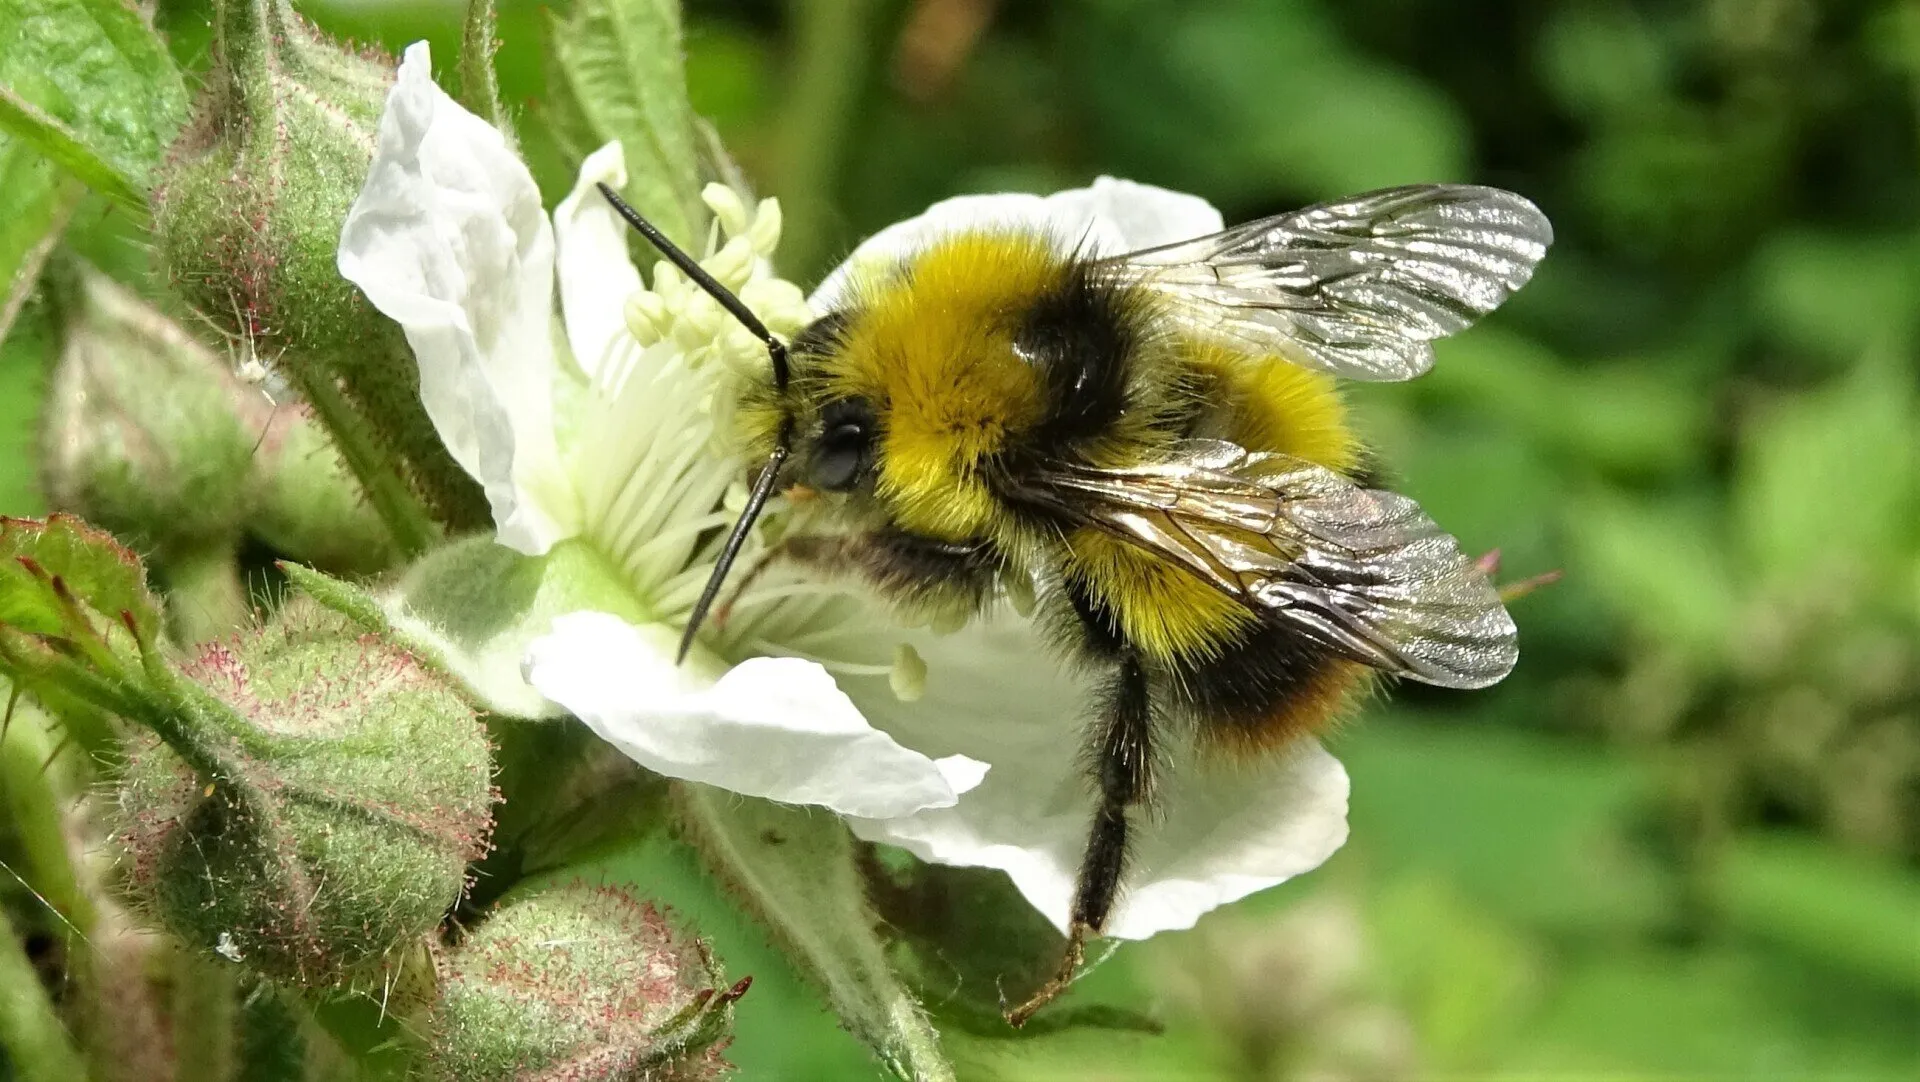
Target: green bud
307, 507
144, 432
580, 983
247, 217
339, 790
168, 444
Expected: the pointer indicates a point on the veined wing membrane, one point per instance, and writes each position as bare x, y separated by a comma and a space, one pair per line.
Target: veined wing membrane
1359, 287
1363, 572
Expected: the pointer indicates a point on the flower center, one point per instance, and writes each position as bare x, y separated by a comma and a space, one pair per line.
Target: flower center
661, 484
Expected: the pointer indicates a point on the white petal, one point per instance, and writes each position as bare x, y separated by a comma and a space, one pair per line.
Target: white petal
1005, 211
1218, 833
449, 239
1141, 215
596, 277
1109, 218
769, 727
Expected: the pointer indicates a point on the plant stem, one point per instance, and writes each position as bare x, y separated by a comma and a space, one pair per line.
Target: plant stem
830, 69
406, 518
795, 870
205, 596
32, 802
37, 1046
203, 1016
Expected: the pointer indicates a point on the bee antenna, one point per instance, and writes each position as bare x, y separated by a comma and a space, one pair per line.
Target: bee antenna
756, 500
776, 349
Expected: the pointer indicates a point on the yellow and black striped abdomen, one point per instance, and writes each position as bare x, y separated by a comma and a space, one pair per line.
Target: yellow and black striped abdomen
1250, 681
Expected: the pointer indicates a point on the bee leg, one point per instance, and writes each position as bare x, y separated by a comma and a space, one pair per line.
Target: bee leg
1122, 760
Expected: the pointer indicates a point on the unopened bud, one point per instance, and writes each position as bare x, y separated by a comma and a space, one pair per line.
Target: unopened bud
146, 430
340, 789
247, 216
580, 983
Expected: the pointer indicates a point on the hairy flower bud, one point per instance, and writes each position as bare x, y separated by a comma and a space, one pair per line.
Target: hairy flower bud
247, 217
143, 434
168, 444
340, 792
580, 983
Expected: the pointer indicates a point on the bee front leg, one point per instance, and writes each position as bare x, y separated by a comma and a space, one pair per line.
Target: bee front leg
1122, 761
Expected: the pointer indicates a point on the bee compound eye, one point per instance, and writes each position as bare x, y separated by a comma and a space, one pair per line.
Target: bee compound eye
836, 465
845, 447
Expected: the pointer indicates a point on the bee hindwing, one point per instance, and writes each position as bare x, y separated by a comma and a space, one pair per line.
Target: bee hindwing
1359, 287
1363, 572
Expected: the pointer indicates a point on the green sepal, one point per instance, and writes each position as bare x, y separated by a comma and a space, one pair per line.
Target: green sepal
796, 870
479, 85
48, 565
475, 606
970, 945
344, 598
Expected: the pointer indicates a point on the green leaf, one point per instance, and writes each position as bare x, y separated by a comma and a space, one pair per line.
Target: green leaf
40, 560
1664, 569
1604, 60
39, 202
1828, 481
618, 64
1841, 908
33, 1042
795, 869
90, 85
1835, 295
68, 149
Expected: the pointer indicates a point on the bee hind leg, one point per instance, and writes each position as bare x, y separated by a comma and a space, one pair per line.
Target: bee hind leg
1122, 761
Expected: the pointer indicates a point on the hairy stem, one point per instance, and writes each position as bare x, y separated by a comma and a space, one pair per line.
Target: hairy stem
405, 517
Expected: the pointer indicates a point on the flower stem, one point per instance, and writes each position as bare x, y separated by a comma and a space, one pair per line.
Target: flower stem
829, 70
795, 869
37, 1046
205, 596
406, 518
203, 1016
31, 802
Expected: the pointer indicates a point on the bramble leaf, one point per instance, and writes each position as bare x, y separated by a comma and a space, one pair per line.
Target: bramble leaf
91, 86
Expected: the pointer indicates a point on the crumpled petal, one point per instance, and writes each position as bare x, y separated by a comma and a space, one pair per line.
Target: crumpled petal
1218, 832
770, 727
596, 276
449, 239
1111, 217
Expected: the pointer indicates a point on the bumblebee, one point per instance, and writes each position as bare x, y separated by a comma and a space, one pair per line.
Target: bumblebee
1157, 440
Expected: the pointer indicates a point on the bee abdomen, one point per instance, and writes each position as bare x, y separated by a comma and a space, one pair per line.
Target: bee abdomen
1268, 689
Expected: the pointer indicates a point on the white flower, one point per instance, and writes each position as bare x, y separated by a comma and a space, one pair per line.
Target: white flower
616, 452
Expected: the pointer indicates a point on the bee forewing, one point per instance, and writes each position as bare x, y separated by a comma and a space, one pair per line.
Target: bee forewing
1359, 287
1364, 572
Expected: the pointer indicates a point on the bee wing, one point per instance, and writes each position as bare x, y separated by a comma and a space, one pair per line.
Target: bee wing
1357, 287
1361, 571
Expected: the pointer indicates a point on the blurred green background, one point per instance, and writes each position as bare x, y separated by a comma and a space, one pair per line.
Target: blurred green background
1683, 840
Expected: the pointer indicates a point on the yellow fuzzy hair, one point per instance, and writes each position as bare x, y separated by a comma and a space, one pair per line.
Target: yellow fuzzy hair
1262, 404
1267, 404
933, 348
1161, 607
